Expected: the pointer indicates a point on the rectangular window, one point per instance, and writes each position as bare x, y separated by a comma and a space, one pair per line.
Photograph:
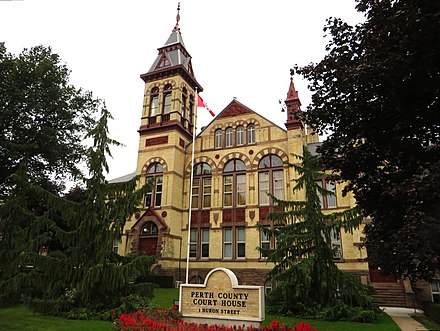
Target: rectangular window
263, 187
154, 105
227, 243
241, 242
241, 190
229, 136
218, 138
148, 199
115, 246
227, 190
190, 112
154, 197
167, 103
195, 193
327, 201
158, 195
331, 199
193, 243
205, 243
251, 134
435, 290
183, 109
206, 192
264, 243
336, 243
278, 184
240, 135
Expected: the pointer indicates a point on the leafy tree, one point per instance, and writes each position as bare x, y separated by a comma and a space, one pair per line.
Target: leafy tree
43, 118
306, 276
376, 93
80, 276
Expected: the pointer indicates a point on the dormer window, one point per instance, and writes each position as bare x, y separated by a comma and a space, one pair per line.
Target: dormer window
167, 99
154, 103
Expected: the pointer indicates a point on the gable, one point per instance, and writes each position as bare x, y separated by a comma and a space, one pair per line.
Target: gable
233, 111
235, 108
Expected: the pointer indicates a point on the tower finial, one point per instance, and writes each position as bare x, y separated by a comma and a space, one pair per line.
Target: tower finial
177, 28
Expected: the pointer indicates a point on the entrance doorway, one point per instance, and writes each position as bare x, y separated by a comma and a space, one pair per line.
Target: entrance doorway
148, 238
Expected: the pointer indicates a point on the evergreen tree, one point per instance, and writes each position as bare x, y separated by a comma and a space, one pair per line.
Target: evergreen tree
306, 276
80, 270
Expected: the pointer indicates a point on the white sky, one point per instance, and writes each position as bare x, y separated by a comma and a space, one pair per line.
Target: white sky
239, 48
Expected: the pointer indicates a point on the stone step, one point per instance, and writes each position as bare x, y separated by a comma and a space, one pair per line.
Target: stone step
389, 294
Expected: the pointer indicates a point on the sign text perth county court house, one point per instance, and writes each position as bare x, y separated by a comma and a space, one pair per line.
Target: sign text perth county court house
221, 298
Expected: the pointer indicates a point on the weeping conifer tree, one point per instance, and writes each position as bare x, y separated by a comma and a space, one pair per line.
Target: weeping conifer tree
305, 274
80, 270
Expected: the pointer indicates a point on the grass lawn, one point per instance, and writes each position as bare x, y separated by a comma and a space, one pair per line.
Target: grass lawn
164, 298
426, 321
20, 318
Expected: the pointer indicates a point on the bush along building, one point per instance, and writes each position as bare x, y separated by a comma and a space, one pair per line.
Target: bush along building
238, 158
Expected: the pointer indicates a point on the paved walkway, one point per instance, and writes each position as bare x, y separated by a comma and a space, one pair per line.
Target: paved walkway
402, 317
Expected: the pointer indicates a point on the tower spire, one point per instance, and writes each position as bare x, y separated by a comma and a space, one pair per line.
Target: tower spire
176, 27
293, 105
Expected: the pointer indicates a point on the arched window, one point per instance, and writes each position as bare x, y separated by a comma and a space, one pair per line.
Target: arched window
155, 176
154, 101
201, 190
240, 135
234, 184
149, 229
229, 137
251, 134
270, 178
167, 99
218, 138
184, 101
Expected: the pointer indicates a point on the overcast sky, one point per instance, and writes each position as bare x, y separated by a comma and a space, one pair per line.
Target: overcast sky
239, 48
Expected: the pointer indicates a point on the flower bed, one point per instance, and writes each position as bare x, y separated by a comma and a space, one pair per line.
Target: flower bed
168, 320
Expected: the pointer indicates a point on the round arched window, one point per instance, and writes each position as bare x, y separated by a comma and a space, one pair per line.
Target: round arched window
270, 178
154, 176
234, 183
201, 189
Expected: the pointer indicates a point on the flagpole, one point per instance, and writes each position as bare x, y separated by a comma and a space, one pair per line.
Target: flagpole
191, 184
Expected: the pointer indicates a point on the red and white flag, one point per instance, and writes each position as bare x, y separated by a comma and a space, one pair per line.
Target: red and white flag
201, 103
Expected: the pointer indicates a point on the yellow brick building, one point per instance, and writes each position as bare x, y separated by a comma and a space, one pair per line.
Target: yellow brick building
238, 158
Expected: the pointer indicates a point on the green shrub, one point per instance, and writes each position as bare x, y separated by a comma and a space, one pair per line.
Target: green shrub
432, 310
161, 281
343, 312
81, 314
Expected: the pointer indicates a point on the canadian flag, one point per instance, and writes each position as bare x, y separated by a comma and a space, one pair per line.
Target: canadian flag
201, 103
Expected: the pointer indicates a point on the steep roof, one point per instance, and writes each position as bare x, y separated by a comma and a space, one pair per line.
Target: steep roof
173, 57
